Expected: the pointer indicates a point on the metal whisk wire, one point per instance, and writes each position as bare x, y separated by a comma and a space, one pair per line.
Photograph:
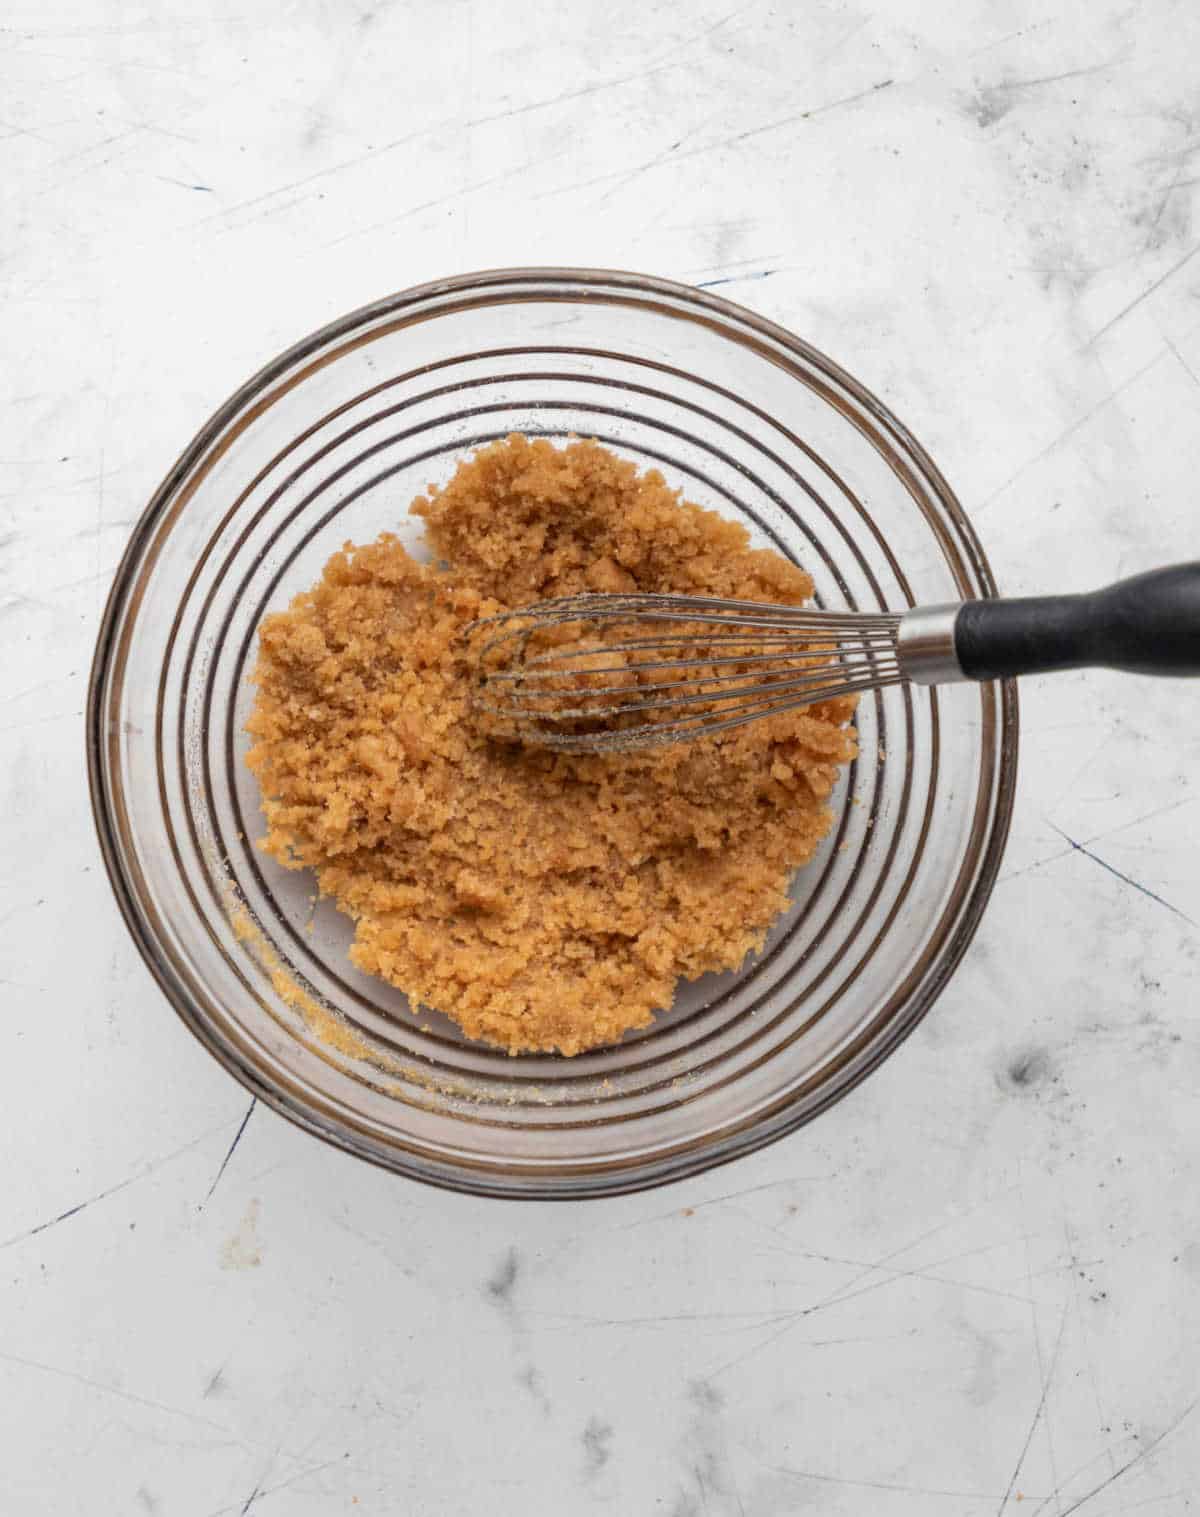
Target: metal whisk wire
740, 661
792, 657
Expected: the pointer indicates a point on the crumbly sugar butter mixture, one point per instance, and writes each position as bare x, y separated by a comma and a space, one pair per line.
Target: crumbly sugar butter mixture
543, 900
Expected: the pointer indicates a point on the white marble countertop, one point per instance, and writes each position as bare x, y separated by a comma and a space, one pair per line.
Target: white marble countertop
974, 1286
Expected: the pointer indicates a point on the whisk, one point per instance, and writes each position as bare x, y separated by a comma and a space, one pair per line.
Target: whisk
590, 673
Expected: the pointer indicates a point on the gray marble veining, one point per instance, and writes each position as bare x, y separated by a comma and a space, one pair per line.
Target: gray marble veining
974, 1286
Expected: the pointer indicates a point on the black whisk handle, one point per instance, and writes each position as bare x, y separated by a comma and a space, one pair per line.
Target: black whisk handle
1149, 624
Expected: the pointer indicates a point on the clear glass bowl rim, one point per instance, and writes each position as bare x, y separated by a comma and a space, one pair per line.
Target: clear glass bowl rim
988, 848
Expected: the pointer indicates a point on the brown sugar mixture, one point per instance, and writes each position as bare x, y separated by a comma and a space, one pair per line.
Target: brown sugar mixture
542, 900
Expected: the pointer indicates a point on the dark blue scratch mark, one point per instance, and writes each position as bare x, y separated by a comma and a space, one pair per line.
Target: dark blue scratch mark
62, 1217
237, 1138
205, 189
707, 284
111, 1190
1096, 859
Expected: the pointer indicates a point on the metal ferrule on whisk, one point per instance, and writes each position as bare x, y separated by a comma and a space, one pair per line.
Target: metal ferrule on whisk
925, 645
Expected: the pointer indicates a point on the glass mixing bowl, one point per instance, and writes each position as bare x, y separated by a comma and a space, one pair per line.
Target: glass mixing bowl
330, 443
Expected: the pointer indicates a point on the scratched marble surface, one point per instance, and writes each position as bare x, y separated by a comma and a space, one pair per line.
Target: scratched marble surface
974, 1287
